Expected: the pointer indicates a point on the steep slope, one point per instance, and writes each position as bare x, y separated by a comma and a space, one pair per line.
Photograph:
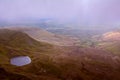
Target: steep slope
4, 75
17, 40
110, 41
45, 36
16, 43
50, 62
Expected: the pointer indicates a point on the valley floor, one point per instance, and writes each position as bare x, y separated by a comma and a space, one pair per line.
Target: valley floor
53, 62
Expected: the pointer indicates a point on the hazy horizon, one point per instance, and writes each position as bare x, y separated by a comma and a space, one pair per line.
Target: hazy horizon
82, 12
59, 39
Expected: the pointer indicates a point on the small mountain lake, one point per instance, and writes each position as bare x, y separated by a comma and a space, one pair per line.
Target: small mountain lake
20, 60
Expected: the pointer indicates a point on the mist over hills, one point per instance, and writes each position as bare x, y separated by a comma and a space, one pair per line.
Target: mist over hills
51, 23
59, 39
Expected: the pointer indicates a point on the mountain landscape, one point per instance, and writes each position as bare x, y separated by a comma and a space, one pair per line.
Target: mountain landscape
56, 62
59, 39
45, 36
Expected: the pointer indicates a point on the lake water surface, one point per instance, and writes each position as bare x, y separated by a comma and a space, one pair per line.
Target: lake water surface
20, 60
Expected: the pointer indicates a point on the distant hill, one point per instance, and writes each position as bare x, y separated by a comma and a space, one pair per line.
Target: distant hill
110, 41
45, 36
111, 36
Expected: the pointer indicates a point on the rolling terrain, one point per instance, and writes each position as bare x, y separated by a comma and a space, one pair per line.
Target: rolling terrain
110, 41
45, 36
54, 62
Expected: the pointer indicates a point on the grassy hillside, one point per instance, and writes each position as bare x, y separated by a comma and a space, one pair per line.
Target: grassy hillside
15, 43
110, 41
51, 62
45, 36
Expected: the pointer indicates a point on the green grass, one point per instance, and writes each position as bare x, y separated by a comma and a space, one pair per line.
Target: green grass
44, 65
113, 47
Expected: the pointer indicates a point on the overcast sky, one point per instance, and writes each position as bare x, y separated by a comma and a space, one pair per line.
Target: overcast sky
80, 11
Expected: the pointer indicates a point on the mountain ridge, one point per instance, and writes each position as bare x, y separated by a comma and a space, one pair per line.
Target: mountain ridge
45, 36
